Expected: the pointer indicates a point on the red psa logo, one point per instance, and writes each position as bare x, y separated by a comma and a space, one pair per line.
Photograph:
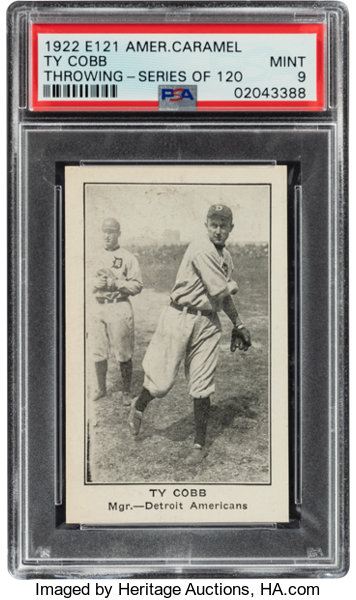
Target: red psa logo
176, 94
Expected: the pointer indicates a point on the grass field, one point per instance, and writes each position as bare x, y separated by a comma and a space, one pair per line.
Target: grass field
238, 432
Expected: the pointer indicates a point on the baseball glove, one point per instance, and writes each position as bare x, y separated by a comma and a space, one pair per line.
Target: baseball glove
240, 338
105, 280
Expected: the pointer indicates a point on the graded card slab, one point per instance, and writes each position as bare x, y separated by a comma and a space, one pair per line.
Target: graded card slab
178, 289
120, 302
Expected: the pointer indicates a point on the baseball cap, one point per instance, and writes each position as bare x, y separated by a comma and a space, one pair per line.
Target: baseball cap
110, 224
220, 210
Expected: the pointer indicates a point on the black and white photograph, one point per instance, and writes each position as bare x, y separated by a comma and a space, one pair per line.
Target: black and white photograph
170, 326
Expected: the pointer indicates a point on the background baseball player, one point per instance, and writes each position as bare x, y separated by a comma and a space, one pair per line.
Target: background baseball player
117, 276
189, 329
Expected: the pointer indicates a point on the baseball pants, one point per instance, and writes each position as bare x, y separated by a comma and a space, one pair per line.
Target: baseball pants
112, 331
182, 336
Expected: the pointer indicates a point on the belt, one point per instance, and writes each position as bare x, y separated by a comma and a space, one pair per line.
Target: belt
108, 301
192, 310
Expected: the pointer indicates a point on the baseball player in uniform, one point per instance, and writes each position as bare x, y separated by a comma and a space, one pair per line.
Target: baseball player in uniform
189, 329
117, 276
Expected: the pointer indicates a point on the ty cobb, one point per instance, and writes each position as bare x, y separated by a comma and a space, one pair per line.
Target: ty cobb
189, 328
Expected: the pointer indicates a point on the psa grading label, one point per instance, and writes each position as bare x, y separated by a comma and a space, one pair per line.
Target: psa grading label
177, 67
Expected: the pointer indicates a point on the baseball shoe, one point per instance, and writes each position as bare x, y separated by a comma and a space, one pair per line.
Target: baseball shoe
126, 399
196, 455
135, 418
99, 394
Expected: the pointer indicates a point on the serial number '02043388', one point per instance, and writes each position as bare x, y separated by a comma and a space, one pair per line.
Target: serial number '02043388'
274, 92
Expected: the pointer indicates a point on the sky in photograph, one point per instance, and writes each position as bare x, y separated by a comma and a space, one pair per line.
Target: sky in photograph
166, 213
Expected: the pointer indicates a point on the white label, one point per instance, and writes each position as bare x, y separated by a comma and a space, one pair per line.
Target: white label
226, 68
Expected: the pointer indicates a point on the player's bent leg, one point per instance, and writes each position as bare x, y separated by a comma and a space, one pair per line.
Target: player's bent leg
143, 399
166, 351
138, 406
164, 354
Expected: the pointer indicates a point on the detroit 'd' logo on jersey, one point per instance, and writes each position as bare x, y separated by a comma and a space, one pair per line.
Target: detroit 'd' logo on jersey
117, 263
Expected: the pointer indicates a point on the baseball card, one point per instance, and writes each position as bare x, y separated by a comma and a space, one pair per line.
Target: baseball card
176, 362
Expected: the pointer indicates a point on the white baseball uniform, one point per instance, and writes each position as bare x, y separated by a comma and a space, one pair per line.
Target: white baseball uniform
112, 325
203, 274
